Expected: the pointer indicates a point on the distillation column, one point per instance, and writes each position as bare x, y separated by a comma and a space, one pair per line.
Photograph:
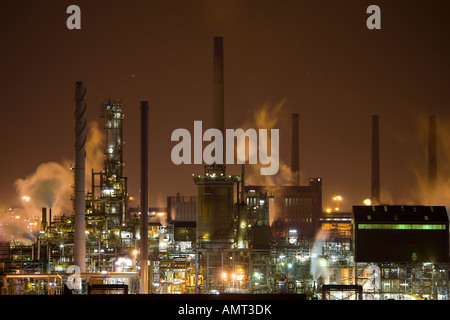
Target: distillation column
113, 184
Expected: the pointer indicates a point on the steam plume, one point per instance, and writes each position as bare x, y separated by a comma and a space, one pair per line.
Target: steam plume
50, 186
266, 117
420, 193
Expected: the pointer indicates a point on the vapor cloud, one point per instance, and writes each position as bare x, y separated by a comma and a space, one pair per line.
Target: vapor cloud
51, 184
267, 117
420, 192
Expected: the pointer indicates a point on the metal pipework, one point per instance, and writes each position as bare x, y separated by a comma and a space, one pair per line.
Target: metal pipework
144, 199
79, 254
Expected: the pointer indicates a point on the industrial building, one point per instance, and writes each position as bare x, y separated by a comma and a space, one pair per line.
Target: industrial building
406, 248
296, 210
228, 238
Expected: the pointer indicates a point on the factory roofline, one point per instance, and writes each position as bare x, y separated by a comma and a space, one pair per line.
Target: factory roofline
399, 213
285, 189
215, 173
217, 178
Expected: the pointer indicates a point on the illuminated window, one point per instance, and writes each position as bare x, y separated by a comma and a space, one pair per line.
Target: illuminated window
401, 226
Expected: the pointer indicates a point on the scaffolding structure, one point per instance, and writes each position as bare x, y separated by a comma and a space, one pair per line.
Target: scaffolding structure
403, 281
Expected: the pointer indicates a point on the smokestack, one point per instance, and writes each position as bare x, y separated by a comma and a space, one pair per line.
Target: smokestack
218, 93
375, 192
295, 167
50, 217
44, 219
432, 158
144, 198
79, 254
243, 183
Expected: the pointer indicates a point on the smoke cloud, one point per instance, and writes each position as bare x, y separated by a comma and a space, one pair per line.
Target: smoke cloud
319, 264
16, 229
51, 185
419, 192
266, 117
95, 146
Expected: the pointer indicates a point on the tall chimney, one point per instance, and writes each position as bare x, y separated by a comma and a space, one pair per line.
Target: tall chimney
375, 189
432, 158
144, 199
295, 167
218, 93
44, 219
79, 254
243, 183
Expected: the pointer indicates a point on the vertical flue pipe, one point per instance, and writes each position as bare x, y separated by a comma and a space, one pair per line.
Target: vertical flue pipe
375, 188
144, 199
295, 166
218, 93
80, 155
432, 158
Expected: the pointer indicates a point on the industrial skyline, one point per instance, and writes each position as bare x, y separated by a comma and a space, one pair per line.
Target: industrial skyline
315, 59
354, 112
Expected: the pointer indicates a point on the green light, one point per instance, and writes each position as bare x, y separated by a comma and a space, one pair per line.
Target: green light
400, 226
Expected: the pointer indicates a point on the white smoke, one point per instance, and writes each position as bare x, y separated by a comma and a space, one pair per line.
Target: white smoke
422, 194
13, 228
95, 149
267, 117
51, 184
319, 265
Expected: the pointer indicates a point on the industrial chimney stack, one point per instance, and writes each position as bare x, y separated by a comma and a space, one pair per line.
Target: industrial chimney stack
144, 199
218, 93
44, 219
375, 188
80, 155
295, 167
432, 158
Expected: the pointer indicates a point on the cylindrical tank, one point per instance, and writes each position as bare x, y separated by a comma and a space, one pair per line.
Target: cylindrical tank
214, 209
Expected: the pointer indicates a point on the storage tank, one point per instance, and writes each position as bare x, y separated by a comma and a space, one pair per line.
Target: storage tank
214, 210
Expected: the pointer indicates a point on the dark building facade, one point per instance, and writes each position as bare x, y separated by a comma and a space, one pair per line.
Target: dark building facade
293, 209
400, 234
181, 208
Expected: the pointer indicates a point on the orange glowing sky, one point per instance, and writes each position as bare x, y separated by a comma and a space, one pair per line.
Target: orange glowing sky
318, 55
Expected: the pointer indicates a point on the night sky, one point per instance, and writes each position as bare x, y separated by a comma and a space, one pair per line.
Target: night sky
317, 56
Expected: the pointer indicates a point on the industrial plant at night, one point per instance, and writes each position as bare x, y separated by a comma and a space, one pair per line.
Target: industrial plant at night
231, 237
